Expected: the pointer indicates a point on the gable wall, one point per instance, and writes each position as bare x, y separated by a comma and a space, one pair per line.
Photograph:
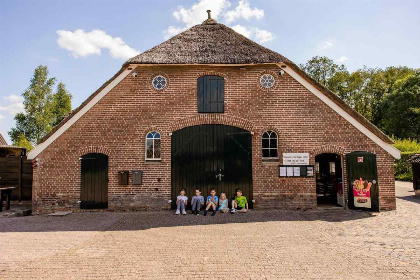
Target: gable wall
117, 126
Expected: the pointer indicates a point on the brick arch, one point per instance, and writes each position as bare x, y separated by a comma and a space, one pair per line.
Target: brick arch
212, 119
95, 149
329, 149
150, 129
211, 73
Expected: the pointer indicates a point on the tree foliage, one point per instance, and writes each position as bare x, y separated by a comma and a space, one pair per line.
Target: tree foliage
43, 108
377, 94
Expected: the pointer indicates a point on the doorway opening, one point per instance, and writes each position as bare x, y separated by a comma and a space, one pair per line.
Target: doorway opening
211, 156
94, 181
329, 180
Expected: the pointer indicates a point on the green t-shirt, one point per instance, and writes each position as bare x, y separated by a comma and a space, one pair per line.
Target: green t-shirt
241, 201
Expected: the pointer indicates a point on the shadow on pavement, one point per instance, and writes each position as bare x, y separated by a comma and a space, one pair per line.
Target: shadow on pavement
412, 198
121, 221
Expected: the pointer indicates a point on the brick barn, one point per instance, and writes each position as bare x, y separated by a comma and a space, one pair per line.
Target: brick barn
211, 108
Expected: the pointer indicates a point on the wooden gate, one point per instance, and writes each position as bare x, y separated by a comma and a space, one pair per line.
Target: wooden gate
211, 156
94, 189
362, 178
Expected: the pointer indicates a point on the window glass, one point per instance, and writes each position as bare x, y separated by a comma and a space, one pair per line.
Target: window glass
153, 145
269, 145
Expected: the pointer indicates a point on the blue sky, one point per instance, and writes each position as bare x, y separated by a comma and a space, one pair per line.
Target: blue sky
84, 43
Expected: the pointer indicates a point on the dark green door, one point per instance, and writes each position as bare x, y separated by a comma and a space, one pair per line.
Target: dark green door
211, 156
94, 189
362, 179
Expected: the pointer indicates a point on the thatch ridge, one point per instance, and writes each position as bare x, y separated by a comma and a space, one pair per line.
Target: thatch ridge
208, 44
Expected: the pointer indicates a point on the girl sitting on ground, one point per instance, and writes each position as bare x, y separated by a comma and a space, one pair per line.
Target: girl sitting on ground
181, 203
223, 203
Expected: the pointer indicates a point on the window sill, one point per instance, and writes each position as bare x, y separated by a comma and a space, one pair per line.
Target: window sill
153, 161
270, 161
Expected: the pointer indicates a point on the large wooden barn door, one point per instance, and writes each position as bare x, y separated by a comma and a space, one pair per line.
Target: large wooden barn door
94, 189
362, 178
211, 156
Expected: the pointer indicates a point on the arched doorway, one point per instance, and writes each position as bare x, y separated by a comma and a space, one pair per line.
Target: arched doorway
94, 181
329, 180
212, 156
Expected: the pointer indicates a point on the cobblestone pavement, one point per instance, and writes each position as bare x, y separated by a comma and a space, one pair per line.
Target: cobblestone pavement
321, 244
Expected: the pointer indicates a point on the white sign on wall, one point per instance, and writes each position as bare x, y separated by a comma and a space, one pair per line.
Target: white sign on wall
295, 158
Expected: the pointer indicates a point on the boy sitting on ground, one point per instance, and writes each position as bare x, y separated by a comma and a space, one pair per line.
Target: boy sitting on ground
212, 201
239, 204
196, 202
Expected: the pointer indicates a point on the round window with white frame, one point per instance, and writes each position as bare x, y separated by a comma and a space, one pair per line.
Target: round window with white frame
159, 82
267, 81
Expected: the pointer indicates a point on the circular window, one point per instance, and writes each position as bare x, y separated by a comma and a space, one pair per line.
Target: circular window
159, 82
267, 81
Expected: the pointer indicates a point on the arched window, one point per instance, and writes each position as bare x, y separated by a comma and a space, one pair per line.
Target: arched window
211, 94
269, 145
153, 146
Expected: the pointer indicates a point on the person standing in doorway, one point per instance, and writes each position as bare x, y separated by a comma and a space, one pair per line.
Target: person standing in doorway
181, 203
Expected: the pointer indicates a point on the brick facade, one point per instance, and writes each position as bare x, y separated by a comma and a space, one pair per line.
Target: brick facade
117, 126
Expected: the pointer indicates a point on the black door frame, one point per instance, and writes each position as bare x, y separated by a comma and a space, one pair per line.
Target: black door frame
94, 181
375, 202
207, 132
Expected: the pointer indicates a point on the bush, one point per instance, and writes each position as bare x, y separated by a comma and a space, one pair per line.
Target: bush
402, 168
407, 145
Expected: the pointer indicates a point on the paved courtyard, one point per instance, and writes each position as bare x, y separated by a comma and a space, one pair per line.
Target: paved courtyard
321, 244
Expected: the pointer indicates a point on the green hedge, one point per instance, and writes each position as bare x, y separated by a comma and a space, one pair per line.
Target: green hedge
402, 168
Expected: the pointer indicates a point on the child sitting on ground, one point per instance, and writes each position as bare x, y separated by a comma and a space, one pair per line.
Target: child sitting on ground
212, 201
196, 202
239, 204
181, 202
223, 203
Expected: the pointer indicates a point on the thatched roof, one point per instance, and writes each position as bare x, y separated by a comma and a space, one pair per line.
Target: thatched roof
214, 43
208, 43
2, 140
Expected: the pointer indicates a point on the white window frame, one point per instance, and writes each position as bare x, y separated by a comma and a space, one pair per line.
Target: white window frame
153, 146
269, 138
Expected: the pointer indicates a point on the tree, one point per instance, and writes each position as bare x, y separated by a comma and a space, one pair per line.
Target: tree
322, 69
42, 108
61, 104
401, 109
23, 142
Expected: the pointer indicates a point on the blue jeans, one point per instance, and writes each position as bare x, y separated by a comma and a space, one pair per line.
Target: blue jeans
196, 205
181, 205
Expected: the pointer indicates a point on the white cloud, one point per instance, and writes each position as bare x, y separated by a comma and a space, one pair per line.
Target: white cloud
341, 59
52, 59
172, 31
219, 9
262, 36
259, 35
82, 44
197, 13
1, 117
15, 106
242, 30
243, 10
13, 98
327, 45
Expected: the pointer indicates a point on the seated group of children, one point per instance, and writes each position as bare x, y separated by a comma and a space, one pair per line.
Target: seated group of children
239, 203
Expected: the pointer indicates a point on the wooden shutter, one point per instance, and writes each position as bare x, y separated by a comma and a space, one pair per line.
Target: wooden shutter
211, 94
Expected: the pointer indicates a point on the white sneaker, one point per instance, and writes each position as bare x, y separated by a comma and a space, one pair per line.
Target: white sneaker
183, 212
177, 212
233, 210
